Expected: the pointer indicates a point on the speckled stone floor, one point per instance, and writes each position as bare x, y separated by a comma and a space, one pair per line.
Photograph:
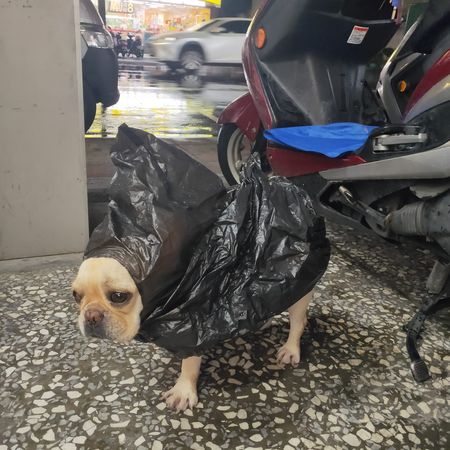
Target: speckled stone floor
353, 388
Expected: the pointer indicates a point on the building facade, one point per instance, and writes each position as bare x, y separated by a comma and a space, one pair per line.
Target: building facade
157, 16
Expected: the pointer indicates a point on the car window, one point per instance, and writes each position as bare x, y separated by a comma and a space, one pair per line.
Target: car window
203, 26
235, 26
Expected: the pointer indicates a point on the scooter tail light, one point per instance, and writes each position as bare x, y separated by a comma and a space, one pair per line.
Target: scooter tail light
260, 38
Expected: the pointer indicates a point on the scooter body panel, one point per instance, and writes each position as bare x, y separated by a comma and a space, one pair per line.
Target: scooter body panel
311, 69
432, 164
433, 88
242, 112
290, 163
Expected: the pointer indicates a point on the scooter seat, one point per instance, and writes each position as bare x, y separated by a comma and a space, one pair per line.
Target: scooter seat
332, 140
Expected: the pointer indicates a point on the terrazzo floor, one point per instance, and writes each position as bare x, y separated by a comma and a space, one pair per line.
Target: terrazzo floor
353, 388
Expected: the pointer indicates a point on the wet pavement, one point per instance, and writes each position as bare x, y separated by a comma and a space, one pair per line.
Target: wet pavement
169, 105
353, 388
180, 108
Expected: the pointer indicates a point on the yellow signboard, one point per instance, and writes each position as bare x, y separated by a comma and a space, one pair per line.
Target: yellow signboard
116, 6
217, 3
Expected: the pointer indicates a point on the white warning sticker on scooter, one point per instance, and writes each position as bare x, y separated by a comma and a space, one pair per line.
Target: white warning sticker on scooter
357, 35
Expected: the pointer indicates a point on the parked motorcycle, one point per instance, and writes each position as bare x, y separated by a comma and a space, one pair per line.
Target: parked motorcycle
382, 163
134, 46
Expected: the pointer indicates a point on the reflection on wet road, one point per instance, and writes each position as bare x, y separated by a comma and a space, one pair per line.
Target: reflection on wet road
170, 106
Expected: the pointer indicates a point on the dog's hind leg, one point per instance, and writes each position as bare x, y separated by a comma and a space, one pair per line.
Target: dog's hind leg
289, 353
266, 325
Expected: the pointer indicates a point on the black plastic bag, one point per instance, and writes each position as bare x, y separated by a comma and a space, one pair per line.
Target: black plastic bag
209, 264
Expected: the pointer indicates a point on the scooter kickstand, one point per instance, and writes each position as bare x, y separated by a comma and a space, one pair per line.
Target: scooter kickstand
413, 329
418, 366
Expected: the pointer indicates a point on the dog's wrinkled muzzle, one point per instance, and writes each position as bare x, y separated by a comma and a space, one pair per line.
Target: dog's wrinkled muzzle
94, 323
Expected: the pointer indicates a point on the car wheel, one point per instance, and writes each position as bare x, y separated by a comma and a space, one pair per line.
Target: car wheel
191, 60
233, 150
172, 66
90, 106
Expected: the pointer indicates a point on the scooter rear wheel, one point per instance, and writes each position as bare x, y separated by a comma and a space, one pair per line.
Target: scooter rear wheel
233, 150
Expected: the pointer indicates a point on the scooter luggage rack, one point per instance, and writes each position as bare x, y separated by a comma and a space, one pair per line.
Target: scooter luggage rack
397, 138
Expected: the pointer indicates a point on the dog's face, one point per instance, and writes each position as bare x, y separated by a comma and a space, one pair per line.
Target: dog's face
109, 301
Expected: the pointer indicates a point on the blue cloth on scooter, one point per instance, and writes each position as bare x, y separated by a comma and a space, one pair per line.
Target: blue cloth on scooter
332, 140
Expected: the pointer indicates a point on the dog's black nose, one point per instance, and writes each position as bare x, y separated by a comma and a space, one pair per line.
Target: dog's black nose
93, 316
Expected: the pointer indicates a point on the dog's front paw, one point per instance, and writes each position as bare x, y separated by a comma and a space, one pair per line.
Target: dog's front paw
182, 396
289, 354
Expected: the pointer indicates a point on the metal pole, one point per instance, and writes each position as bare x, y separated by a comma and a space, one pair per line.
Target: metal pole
102, 10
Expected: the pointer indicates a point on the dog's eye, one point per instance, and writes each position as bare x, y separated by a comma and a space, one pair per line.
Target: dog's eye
76, 296
119, 297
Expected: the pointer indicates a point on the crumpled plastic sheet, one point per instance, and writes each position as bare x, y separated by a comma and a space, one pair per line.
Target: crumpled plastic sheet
210, 264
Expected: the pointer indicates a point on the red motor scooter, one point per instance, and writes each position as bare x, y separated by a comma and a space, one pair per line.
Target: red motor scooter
305, 63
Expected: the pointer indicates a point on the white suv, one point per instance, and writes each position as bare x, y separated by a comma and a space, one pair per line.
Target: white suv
218, 41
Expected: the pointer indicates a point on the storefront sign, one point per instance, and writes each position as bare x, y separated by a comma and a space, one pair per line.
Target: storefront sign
217, 3
116, 6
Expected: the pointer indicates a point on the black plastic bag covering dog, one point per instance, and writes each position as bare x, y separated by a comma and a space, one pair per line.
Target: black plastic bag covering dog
209, 264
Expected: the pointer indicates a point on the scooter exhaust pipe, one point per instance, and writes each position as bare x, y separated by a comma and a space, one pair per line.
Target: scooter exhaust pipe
409, 220
429, 218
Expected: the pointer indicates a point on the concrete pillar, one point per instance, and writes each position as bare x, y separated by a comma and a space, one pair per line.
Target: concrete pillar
43, 199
